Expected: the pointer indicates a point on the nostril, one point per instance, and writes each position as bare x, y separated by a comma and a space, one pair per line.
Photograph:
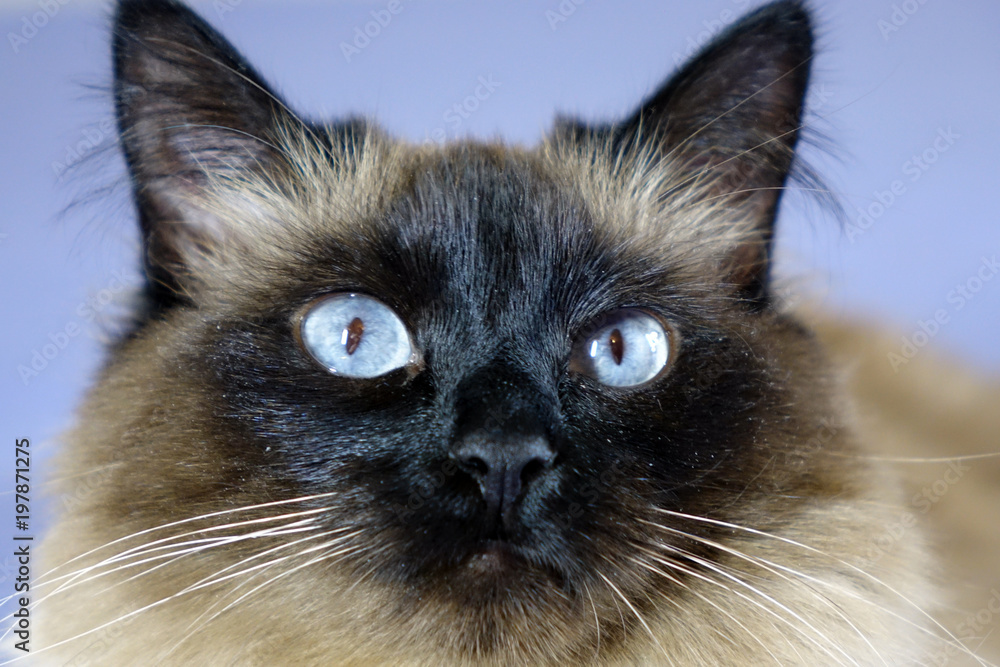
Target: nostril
504, 468
533, 456
474, 465
475, 458
524, 460
532, 469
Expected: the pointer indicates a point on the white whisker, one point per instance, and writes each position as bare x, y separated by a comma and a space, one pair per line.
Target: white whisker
210, 515
597, 620
123, 617
708, 601
774, 569
635, 611
756, 603
341, 552
258, 569
952, 639
171, 550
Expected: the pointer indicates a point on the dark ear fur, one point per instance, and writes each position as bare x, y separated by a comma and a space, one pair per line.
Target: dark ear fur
734, 111
189, 107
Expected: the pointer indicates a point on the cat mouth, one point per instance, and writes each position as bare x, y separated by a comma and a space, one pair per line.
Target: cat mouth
495, 558
500, 565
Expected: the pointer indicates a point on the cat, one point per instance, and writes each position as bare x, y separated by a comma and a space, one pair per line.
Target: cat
470, 404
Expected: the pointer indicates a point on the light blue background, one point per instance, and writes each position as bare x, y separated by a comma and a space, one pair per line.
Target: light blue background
880, 96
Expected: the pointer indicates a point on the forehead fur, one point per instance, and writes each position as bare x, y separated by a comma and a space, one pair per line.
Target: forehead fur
635, 197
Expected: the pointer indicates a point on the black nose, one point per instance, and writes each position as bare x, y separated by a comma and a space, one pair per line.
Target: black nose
504, 467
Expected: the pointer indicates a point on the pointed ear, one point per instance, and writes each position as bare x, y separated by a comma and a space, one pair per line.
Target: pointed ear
731, 119
189, 110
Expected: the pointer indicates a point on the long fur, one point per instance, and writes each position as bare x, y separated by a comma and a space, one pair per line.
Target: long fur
250, 509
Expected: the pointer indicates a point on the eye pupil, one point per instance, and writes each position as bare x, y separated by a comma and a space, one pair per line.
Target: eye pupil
626, 347
355, 336
616, 342
352, 334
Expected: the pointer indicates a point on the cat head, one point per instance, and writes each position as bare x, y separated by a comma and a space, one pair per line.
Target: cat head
498, 381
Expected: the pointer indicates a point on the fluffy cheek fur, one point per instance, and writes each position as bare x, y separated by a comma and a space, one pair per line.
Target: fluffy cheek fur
799, 594
303, 580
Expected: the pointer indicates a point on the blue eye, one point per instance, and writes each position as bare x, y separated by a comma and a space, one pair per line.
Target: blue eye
625, 348
356, 336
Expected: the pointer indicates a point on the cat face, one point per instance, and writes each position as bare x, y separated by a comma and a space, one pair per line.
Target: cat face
504, 403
